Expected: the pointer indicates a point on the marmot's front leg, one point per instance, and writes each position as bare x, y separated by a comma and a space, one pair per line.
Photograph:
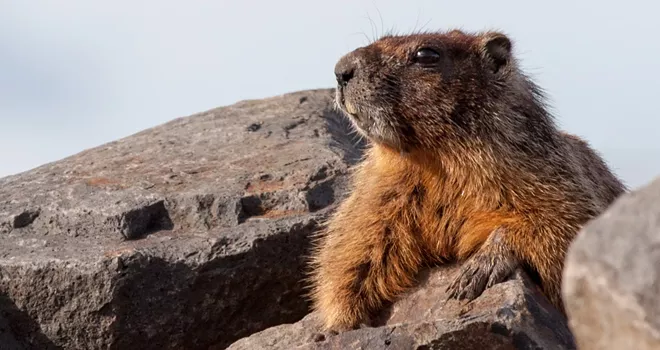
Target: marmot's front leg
358, 267
491, 264
541, 248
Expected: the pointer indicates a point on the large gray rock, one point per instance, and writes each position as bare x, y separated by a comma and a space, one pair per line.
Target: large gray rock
510, 315
611, 281
186, 235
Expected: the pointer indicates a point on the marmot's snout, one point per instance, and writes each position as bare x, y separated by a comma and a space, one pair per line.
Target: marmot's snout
345, 69
352, 91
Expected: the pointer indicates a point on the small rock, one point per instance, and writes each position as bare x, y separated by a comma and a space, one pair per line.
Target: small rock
510, 315
611, 283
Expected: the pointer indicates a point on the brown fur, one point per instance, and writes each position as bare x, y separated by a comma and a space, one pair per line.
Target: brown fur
465, 164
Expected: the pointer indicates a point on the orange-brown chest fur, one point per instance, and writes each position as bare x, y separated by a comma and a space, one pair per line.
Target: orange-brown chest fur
447, 209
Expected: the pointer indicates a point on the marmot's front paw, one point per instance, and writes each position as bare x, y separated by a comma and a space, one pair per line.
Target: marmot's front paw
345, 321
483, 270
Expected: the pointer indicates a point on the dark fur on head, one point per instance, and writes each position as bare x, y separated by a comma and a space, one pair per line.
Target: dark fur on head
479, 95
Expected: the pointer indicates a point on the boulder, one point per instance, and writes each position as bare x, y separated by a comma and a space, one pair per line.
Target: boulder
187, 235
510, 315
611, 282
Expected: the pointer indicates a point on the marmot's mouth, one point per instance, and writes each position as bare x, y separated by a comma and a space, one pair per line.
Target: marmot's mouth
354, 112
360, 119
346, 106
341, 98
350, 108
367, 125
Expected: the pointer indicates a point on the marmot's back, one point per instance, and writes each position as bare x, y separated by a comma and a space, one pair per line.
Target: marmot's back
606, 186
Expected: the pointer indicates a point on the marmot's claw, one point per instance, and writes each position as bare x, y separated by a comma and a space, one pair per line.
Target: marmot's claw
480, 272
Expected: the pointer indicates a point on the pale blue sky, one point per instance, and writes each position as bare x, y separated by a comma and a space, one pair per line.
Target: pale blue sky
77, 73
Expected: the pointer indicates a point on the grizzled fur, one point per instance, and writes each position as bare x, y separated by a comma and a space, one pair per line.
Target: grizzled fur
465, 165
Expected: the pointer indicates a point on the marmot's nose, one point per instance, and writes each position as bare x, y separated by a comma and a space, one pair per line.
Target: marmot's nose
345, 69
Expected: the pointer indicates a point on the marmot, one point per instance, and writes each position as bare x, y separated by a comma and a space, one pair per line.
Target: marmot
465, 164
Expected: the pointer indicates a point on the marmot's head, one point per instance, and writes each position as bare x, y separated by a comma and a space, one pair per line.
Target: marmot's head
422, 90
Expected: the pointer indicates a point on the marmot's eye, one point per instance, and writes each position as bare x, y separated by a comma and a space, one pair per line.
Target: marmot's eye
426, 56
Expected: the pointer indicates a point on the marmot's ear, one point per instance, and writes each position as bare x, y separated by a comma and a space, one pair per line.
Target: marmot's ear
496, 49
455, 32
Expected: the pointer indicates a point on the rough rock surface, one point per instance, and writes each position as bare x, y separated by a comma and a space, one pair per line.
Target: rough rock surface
186, 235
510, 315
611, 280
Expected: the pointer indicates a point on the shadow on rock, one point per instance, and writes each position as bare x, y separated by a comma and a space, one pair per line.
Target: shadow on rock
18, 331
161, 304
